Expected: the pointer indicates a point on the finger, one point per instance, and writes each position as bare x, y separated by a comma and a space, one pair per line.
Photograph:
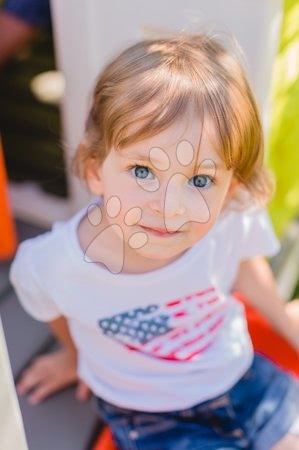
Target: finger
82, 392
29, 379
41, 392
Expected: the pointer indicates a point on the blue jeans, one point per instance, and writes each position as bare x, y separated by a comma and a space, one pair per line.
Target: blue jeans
255, 414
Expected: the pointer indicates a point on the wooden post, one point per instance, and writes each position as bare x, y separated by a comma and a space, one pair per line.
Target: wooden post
12, 435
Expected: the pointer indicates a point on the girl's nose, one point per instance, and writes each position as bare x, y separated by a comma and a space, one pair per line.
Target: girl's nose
169, 201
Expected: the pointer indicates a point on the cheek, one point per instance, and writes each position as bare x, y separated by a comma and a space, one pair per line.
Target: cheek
117, 186
134, 196
124, 207
205, 213
200, 230
204, 205
215, 199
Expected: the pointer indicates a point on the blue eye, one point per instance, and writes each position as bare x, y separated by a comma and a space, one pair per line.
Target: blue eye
201, 181
141, 172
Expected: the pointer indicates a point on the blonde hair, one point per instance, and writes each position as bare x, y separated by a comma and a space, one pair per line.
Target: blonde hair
151, 84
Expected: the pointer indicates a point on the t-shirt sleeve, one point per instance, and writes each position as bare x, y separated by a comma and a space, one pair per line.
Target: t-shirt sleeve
257, 237
29, 286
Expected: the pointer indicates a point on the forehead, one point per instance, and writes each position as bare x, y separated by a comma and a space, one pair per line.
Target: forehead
181, 136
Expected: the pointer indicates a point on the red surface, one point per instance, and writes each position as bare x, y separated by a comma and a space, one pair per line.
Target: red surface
265, 340
105, 441
269, 342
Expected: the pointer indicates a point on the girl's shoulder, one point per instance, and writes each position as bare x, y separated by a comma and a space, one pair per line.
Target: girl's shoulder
49, 249
248, 225
41, 266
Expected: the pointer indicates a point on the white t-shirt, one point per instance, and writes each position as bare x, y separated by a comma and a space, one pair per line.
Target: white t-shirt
158, 341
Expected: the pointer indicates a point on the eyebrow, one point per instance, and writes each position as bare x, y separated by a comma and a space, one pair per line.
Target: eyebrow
205, 164
211, 165
141, 157
134, 156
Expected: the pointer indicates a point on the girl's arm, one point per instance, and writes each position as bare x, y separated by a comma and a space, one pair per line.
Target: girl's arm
256, 281
49, 373
60, 329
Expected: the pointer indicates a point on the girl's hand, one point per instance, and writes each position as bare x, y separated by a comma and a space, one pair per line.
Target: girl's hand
82, 392
292, 311
50, 373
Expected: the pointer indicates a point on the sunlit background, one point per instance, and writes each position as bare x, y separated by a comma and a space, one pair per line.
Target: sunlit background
284, 133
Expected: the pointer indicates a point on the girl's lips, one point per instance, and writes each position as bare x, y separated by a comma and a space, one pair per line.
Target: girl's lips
159, 231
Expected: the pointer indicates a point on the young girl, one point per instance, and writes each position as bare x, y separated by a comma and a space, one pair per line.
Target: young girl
144, 279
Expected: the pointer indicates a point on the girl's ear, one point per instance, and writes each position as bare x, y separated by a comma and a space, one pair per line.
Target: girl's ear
232, 187
93, 176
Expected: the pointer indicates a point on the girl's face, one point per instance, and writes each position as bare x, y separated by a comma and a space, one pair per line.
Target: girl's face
162, 194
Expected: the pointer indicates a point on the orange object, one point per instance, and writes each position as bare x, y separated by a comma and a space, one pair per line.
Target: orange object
105, 441
8, 240
265, 341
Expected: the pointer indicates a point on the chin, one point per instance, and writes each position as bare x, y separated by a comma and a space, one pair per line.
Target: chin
159, 255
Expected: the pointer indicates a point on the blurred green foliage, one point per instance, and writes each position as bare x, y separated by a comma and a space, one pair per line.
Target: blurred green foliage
284, 132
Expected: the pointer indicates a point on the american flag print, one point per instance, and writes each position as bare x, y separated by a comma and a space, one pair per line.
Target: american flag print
179, 330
